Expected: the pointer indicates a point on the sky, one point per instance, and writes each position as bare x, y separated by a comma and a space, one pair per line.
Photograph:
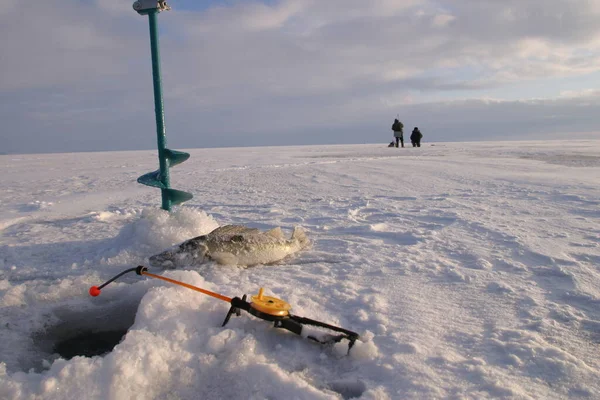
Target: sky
76, 75
469, 270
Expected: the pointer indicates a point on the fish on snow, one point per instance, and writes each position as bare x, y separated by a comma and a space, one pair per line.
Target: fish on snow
233, 245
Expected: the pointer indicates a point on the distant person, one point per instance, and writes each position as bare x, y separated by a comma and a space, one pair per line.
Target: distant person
398, 128
415, 137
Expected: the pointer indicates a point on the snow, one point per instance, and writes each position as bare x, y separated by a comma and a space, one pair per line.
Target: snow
470, 270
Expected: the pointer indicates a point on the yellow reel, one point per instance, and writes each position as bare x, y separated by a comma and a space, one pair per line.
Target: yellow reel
270, 305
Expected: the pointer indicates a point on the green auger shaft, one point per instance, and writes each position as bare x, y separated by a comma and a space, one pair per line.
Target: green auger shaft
167, 158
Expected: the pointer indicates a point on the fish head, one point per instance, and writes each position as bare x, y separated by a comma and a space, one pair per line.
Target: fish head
190, 252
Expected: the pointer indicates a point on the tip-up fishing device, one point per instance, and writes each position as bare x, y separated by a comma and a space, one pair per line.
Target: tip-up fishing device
264, 307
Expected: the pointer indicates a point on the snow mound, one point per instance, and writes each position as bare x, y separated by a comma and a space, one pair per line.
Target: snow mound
153, 231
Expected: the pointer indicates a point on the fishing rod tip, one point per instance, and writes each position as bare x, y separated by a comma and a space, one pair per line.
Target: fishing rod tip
94, 291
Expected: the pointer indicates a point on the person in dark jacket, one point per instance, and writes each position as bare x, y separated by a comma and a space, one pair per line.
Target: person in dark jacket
398, 128
415, 137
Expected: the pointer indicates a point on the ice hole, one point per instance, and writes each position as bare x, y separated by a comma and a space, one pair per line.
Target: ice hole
89, 343
83, 332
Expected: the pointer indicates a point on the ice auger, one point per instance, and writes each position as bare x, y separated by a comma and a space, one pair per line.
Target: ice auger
166, 157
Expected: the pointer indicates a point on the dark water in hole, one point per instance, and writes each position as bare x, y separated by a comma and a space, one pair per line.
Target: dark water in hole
89, 344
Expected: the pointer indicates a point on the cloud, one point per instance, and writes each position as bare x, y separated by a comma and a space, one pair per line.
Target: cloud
48, 45
310, 47
283, 67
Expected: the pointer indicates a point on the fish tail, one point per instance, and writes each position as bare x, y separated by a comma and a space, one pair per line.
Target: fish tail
299, 235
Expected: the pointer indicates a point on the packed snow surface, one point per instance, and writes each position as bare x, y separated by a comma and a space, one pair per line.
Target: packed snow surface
470, 270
